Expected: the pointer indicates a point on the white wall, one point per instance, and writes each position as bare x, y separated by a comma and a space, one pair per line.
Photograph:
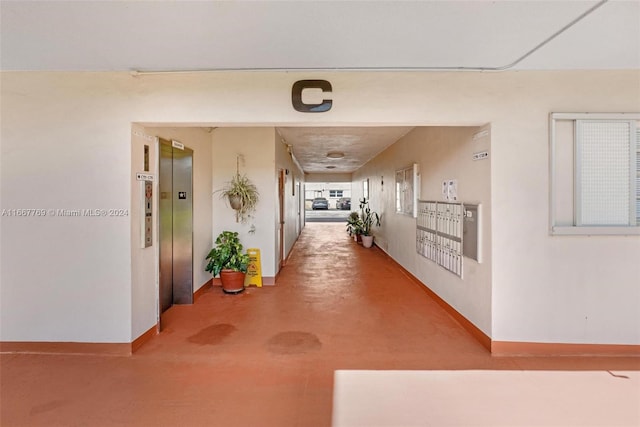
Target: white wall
144, 286
442, 153
257, 148
66, 143
144, 268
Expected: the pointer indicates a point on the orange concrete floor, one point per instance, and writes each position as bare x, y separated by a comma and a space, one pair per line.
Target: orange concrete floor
265, 357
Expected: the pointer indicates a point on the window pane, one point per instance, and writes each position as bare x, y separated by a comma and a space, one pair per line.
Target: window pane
399, 190
604, 173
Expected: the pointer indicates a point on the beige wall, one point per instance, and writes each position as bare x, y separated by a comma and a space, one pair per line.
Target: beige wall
442, 153
256, 146
66, 143
293, 195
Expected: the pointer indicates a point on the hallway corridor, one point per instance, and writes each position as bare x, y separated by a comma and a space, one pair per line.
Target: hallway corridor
265, 357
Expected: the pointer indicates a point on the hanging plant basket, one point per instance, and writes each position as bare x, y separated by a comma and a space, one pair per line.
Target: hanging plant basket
241, 193
235, 201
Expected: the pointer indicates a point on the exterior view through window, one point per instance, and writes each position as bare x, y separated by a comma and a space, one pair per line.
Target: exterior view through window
328, 201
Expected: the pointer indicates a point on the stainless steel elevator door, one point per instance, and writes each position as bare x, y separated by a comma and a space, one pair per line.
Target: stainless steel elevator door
176, 225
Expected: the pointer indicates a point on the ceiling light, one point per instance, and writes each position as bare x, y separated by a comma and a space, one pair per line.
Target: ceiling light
335, 155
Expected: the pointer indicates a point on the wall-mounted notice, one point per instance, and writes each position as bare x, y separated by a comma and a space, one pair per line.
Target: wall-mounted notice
450, 190
453, 190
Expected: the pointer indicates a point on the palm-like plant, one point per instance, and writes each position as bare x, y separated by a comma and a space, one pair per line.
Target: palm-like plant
368, 218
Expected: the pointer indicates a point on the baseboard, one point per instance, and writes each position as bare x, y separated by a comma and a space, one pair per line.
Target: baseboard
204, 288
75, 348
480, 336
268, 281
142, 339
510, 348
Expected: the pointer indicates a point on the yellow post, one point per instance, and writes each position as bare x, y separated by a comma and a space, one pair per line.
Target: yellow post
254, 271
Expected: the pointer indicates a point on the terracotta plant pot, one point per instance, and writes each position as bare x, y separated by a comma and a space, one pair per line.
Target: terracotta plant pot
232, 281
367, 241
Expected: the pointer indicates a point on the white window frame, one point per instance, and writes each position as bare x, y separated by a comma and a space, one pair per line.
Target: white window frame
407, 190
577, 229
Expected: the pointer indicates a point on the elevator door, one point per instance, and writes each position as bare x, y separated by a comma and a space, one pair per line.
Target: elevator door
176, 225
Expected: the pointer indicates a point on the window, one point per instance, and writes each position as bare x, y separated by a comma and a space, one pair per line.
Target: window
407, 190
335, 193
595, 173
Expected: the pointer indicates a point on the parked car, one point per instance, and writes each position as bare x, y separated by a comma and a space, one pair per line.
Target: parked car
320, 203
344, 203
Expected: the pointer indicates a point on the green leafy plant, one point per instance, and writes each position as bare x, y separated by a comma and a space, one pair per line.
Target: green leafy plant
227, 254
354, 224
368, 218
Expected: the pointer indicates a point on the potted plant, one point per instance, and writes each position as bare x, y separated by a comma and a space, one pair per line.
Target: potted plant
228, 260
241, 193
354, 225
369, 220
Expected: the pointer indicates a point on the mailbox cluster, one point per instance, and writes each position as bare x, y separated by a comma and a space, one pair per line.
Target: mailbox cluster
439, 233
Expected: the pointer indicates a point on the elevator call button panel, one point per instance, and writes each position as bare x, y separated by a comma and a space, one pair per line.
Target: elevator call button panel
147, 208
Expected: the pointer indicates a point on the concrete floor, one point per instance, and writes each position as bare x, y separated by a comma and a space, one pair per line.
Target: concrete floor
265, 357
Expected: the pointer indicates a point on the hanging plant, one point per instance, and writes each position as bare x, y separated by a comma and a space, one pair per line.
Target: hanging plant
241, 193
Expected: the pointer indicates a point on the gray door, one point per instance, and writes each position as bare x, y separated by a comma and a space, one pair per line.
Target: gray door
176, 225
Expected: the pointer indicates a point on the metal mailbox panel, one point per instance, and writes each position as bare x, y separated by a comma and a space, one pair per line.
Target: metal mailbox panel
470, 231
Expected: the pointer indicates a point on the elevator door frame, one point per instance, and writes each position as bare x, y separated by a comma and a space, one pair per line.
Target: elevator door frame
181, 280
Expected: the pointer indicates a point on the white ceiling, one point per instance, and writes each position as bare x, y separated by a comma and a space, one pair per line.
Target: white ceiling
169, 35
305, 34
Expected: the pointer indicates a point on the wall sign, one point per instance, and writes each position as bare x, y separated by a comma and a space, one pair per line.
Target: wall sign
481, 155
301, 85
145, 177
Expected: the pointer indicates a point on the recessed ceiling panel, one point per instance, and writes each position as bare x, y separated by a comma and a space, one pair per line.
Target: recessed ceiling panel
313, 146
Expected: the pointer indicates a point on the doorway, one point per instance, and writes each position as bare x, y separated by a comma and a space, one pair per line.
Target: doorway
175, 224
327, 201
281, 218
